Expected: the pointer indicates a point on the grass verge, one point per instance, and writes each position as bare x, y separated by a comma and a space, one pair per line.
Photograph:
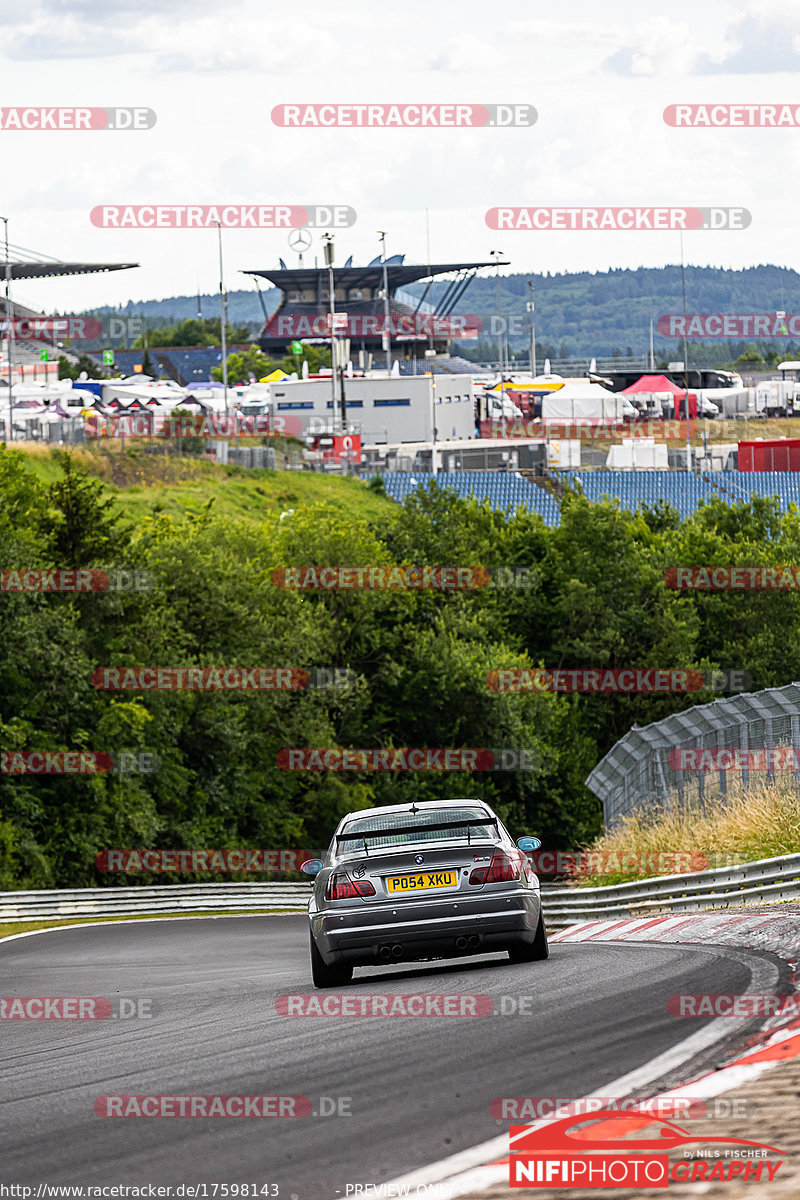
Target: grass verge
144, 485
9, 927
763, 822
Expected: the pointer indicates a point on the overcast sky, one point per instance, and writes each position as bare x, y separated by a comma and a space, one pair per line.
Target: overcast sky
599, 76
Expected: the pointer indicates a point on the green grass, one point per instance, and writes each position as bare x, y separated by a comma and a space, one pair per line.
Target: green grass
10, 927
144, 484
744, 826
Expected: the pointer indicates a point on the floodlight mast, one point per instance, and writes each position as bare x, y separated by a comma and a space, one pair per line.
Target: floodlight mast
223, 321
9, 331
327, 247
387, 337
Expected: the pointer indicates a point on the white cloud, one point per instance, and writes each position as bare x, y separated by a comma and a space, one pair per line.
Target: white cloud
212, 75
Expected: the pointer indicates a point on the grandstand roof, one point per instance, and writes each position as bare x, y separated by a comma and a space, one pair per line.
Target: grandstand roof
397, 274
46, 270
25, 263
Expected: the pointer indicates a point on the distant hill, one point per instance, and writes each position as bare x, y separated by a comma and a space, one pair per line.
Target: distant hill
577, 314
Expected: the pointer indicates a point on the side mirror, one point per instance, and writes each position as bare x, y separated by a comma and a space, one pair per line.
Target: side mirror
312, 866
528, 843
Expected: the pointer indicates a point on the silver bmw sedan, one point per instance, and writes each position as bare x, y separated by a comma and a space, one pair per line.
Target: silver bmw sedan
422, 881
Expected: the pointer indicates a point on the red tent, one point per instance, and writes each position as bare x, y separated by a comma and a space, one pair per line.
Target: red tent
660, 383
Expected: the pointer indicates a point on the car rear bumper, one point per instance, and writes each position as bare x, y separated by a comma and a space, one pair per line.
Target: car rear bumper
433, 929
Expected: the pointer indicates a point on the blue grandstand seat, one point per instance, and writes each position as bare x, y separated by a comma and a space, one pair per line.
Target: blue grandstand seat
632, 489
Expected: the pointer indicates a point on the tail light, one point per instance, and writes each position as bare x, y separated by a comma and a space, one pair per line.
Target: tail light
342, 887
505, 867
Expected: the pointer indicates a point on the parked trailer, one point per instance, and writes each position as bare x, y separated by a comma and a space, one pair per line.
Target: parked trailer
778, 397
770, 454
733, 402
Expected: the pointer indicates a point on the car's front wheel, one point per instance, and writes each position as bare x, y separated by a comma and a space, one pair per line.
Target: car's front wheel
532, 951
325, 976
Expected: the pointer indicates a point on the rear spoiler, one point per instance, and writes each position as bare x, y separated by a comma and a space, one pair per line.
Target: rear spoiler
470, 822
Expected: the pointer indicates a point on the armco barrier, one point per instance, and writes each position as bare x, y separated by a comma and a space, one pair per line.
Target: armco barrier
769, 879
168, 898
761, 882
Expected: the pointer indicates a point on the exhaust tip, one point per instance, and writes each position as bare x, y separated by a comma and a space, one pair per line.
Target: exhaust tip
461, 943
385, 952
397, 951
474, 940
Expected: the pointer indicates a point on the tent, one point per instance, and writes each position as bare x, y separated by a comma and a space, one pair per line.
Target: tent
652, 384
659, 385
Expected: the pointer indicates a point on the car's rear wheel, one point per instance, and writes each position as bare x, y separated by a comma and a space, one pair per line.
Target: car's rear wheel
325, 976
532, 951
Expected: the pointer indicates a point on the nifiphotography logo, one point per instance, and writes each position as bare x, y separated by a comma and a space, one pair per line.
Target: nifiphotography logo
594, 1151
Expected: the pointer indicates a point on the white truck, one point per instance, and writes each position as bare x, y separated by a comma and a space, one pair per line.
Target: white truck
778, 397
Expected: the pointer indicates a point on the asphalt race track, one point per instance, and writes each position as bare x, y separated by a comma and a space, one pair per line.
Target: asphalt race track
419, 1088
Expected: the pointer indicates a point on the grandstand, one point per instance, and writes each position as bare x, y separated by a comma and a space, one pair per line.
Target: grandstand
187, 365
443, 364
31, 264
632, 489
358, 294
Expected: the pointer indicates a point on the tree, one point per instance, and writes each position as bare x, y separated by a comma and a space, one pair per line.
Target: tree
81, 526
85, 364
204, 332
244, 363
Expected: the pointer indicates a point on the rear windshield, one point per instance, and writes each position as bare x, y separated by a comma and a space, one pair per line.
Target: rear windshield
395, 824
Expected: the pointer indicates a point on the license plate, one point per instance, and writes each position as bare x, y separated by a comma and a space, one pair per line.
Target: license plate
425, 881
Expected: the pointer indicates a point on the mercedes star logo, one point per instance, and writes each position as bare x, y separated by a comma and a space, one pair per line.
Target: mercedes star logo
299, 239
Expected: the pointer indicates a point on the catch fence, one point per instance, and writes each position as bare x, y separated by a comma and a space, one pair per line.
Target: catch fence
658, 768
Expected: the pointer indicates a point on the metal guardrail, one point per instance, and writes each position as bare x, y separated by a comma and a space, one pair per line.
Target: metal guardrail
766, 880
168, 898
